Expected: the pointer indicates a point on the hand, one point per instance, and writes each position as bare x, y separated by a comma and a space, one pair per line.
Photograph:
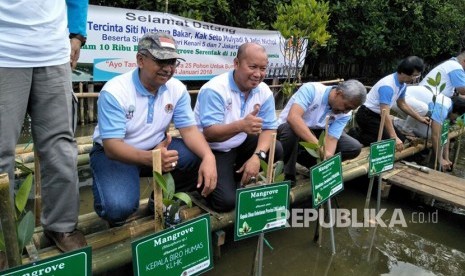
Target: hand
446, 165
207, 175
425, 120
399, 144
169, 158
250, 169
252, 124
75, 52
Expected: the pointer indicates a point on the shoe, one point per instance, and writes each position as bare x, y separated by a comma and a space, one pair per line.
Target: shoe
291, 178
2, 260
67, 241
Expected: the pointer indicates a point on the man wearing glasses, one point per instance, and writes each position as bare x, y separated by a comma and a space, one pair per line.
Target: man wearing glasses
134, 111
386, 92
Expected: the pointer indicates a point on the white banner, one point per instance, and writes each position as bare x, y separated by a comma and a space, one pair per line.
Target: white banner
209, 49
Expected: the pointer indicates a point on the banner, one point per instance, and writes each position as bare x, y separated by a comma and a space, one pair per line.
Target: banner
209, 49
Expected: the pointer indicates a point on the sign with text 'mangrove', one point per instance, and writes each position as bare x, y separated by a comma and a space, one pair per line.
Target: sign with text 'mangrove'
382, 156
182, 250
260, 209
326, 179
75, 263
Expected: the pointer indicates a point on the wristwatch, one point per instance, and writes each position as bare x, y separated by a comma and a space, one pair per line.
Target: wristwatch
81, 38
261, 154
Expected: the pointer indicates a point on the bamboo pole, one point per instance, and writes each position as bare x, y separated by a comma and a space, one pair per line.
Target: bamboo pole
158, 195
90, 103
81, 104
7, 219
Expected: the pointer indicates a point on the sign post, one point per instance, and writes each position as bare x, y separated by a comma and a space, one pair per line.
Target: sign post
182, 250
382, 156
326, 178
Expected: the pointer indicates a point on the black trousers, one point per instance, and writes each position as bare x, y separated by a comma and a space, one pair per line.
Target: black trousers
223, 198
294, 153
368, 125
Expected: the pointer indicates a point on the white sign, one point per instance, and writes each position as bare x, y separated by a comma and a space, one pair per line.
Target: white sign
209, 49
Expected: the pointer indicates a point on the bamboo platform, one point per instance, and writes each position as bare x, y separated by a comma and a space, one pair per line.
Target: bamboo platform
440, 186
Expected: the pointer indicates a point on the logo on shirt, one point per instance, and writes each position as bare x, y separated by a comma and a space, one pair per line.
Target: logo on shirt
130, 112
168, 108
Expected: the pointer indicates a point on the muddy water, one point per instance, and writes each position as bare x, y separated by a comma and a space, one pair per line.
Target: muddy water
431, 243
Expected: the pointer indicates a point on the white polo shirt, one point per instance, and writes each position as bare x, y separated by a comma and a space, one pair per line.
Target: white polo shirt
386, 91
221, 102
128, 111
452, 74
313, 98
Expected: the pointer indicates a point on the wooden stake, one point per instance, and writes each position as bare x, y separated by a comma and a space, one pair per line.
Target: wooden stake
158, 195
7, 219
270, 172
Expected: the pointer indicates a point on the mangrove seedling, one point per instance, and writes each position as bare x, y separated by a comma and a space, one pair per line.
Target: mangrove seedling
171, 200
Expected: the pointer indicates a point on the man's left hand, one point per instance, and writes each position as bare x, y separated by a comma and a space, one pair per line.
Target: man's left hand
250, 169
75, 52
207, 175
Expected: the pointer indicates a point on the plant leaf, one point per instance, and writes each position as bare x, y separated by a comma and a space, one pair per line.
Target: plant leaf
279, 178
25, 229
264, 166
170, 187
184, 197
308, 145
167, 202
313, 153
442, 87
22, 167
438, 78
431, 82
321, 139
279, 167
23, 193
160, 180
429, 88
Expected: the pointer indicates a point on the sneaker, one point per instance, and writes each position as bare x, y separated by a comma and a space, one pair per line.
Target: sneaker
67, 241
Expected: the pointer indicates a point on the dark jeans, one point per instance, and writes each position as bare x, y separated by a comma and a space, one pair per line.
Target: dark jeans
368, 125
116, 184
294, 153
223, 198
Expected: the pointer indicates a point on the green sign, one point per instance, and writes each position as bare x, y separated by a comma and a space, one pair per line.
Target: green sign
182, 250
261, 209
326, 179
75, 263
445, 132
382, 156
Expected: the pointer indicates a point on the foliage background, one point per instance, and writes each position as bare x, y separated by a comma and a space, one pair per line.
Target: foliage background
368, 37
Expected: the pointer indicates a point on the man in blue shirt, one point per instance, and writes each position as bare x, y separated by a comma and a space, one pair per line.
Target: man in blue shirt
386, 92
236, 113
134, 111
304, 118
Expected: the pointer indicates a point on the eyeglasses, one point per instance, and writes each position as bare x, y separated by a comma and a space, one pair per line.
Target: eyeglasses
164, 62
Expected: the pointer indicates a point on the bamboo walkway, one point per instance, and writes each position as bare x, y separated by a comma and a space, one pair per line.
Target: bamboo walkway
440, 186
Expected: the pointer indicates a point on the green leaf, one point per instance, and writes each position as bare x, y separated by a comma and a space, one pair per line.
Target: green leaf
429, 88
23, 193
279, 168
2, 242
442, 87
431, 82
21, 167
264, 166
438, 78
314, 153
308, 145
279, 178
170, 186
26, 229
160, 180
184, 197
321, 139
167, 202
